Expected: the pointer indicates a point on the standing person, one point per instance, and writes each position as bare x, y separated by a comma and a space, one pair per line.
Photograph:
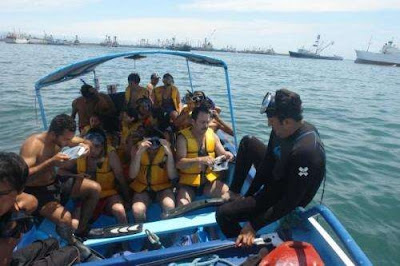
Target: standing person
197, 147
154, 79
167, 101
42, 154
290, 169
134, 91
92, 103
152, 168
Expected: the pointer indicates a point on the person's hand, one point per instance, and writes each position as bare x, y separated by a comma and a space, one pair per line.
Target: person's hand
229, 156
206, 160
246, 236
166, 145
87, 148
214, 114
143, 146
59, 158
84, 175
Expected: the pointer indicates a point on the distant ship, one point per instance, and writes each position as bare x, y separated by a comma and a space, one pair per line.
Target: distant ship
389, 55
16, 38
109, 43
315, 54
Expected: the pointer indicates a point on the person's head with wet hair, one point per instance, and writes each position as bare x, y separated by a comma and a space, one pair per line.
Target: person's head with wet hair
98, 140
168, 79
134, 78
144, 106
201, 117
288, 105
62, 123
88, 91
13, 170
198, 110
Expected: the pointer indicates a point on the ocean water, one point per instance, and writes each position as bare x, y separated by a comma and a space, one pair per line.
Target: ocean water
355, 107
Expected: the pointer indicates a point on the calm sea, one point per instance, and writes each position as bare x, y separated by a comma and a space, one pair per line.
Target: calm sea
355, 107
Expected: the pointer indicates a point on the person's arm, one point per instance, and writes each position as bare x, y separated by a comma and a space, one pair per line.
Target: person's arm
219, 149
178, 100
29, 152
221, 124
74, 109
116, 167
182, 162
306, 171
181, 120
134, 167
172, 173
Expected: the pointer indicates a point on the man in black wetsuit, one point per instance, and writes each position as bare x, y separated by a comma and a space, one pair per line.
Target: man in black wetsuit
289, 170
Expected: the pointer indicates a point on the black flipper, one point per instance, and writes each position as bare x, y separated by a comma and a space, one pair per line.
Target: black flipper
115, 231
195, 205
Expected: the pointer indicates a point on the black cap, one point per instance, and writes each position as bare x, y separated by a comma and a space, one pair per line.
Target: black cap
134, 77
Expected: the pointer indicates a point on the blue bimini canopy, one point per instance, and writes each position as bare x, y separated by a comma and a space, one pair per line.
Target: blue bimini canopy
89, 65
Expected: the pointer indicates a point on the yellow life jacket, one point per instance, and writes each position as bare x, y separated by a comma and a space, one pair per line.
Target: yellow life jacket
141, 93
174, 95
192, 176
104, 175
153, 174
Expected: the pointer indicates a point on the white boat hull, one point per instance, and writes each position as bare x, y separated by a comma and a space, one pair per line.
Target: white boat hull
17, 40
364, 57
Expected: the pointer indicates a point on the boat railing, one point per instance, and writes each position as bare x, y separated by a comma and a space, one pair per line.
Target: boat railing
355, 252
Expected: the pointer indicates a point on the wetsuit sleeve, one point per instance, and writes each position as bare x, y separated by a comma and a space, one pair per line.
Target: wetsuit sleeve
305, 173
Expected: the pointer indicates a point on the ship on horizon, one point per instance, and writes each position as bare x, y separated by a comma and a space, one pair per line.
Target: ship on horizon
388, 55
315, 51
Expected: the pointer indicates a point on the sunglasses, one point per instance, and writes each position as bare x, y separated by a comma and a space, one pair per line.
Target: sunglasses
197, 98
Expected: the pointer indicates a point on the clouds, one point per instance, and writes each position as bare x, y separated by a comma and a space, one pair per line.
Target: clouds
41, 5
292, 5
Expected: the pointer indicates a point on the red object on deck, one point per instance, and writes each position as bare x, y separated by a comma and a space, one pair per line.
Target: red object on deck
293, 253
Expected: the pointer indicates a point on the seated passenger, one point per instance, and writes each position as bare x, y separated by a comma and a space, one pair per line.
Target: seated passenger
93, 102
154, 79
167, 101
192, 100
42, 154
197, 147
143, 122
152, 169
13, 176
196, 99
104, 166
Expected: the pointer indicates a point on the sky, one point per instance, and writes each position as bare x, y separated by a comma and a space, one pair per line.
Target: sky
244, 24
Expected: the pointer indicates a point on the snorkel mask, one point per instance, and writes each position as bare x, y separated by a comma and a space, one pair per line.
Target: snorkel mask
268, 105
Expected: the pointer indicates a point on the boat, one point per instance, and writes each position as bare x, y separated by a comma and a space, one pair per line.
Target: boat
109, 43
315, 51
16, 38
191, 234
388, 55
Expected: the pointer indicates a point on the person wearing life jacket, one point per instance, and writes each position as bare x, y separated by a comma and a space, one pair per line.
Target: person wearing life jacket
104, 166
197, 147
167, 101
135, 131
289, 170
152, 168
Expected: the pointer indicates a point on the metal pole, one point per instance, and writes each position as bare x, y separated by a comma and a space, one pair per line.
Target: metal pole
228, 87
190, 75
42, 113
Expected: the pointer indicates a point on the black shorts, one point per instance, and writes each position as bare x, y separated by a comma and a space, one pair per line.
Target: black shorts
58, 191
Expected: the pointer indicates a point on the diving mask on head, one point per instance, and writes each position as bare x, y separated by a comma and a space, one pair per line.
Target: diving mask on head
95, 138
268, 105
